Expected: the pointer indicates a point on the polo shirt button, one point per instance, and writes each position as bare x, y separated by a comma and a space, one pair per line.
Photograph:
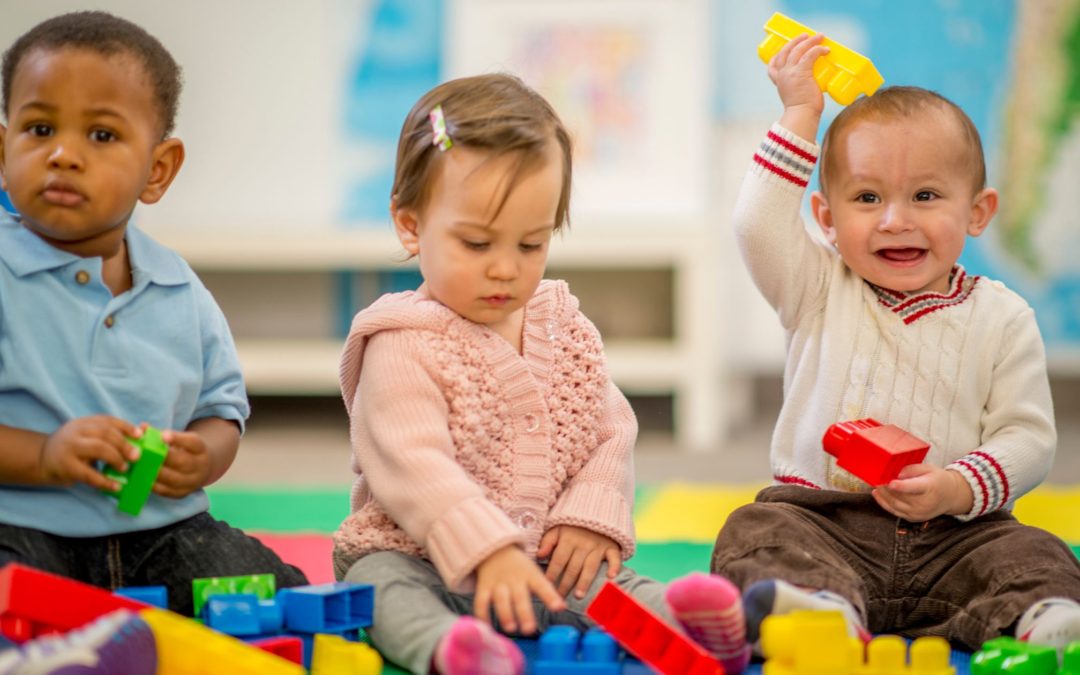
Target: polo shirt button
109, 321
82, 277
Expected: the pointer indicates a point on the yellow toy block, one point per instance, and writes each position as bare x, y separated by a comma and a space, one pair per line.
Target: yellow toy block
185, 647
843, 73
334, 655
806, 642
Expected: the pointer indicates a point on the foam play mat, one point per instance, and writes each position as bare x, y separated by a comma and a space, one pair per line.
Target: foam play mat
676, 525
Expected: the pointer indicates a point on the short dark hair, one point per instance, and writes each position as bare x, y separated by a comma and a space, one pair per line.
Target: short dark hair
107, 35
496, 113
893, 103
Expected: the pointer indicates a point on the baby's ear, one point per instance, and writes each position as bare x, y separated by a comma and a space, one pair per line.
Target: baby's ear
823, 215
407, 226
167, 158
983, 208
3, 173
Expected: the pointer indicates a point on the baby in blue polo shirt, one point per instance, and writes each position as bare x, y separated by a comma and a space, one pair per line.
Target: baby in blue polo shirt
101, 328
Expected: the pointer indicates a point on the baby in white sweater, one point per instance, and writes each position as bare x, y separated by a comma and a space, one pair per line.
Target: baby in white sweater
882, 322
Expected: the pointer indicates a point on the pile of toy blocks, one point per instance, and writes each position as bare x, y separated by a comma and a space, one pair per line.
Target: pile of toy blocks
246, 627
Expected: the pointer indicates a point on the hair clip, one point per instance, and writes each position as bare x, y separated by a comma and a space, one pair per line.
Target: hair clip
440, 136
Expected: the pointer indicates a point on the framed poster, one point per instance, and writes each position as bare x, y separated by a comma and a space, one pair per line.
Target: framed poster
627, 77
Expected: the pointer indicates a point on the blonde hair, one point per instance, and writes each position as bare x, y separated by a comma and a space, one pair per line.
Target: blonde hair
497, 113
898, 102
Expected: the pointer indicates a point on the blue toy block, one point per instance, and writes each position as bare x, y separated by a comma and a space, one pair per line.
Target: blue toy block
243, 614
327, 608
563, 650
158, 596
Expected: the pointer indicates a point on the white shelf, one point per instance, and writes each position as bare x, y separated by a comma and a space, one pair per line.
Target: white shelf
311, 366
685, 366
377, 247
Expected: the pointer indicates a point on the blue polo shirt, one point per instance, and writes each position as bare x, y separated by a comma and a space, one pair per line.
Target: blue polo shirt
160, 353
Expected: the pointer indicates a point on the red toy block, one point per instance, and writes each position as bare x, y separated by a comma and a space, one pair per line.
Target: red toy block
648, 637
873, 451
287, 647
34, 603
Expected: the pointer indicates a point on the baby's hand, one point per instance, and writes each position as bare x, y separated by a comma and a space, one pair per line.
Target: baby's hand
923, 492
792, 71
575, 555
69, 454
187, 466
508, 579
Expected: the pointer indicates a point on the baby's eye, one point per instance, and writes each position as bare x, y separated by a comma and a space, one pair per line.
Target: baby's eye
40, 130
529, 248
925, 196
475, 245
102, 136
867, 198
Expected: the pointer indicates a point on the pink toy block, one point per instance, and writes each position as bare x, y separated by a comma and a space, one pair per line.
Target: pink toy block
34, 603
648, 637
873, 451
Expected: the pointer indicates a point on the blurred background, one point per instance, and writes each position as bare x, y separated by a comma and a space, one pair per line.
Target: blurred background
290, 117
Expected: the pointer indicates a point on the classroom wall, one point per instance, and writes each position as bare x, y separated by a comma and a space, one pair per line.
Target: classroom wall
291, 110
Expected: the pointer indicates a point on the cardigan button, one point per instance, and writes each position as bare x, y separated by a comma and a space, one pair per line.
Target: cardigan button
526, 520
532, 423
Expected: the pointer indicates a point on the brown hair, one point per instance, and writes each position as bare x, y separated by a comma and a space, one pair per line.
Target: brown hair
107, 35
498, 113
896, 102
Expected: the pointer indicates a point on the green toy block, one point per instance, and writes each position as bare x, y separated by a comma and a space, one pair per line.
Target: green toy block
1071, 663
1009, 655
262, 585
138, 480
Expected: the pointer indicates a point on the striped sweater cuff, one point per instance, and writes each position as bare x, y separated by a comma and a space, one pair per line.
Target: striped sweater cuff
988, 482
466, 535
786, 156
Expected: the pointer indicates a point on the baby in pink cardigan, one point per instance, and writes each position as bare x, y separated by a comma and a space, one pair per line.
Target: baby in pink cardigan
493, 454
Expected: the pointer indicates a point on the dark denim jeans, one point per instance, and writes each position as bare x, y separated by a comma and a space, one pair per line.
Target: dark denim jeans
965, 581
170, 556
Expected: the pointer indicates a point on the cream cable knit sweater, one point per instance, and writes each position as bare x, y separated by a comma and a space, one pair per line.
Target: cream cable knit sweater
965, 370
463, 446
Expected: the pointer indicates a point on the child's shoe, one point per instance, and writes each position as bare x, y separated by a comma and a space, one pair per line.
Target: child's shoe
471, 647
1054, 622
119, 643
773, 596
709, 609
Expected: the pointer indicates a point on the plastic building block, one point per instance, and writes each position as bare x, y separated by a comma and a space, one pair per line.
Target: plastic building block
34, 603
808, 642
1009, 655
327, 608
138, 480
335, 655
262, 585
843, 73
564, 650
155, 596
286, 646
873, 451
308, 640
243, 614
185, 646
647, 637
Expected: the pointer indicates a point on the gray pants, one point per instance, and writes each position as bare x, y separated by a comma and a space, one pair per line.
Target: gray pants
414, 609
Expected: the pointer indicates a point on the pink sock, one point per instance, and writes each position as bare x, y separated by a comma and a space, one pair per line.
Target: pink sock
471, 647
709, 608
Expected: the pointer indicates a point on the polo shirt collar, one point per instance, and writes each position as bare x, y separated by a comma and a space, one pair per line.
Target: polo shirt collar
26, 253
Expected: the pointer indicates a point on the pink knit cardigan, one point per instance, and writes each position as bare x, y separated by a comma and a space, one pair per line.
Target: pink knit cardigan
463, 446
